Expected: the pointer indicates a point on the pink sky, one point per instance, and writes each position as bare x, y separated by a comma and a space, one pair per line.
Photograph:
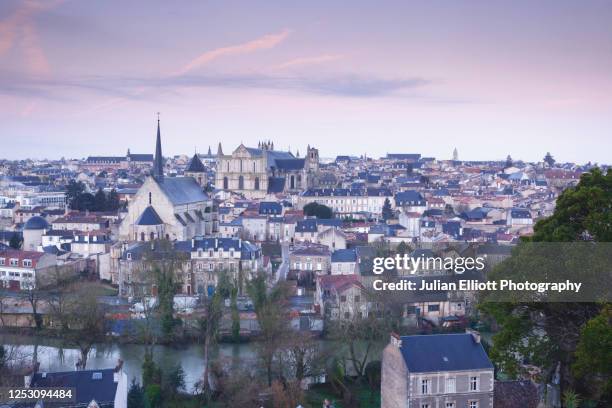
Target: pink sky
516, 77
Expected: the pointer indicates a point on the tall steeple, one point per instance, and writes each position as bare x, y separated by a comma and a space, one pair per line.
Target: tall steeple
158, 164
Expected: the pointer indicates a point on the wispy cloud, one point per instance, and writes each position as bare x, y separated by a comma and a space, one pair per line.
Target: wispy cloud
129, 88
18, 30
265, 42
319, 59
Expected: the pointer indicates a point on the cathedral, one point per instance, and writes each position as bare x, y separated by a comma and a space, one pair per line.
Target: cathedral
257, 172
174, 208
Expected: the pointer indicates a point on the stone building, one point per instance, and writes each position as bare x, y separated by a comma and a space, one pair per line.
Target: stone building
439, 370
256, 172
175, 208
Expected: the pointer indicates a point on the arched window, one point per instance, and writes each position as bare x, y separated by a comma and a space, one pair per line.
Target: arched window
168, 237
152, 236
240, 183
150, 198
241, 165
256, 183
225, 183
142, 236
292, 183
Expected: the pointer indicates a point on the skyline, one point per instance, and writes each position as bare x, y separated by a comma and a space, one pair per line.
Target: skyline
83, 78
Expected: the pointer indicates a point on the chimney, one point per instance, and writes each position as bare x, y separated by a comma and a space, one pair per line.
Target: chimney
396, 340
475, 335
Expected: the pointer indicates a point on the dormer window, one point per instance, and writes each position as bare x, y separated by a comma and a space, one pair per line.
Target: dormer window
14, 262
128, 256
27, 263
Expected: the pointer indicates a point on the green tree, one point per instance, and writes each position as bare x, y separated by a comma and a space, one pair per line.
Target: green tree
318, 210
113, 203
209, 328
15, 241
135, 398
174, 381
99, 200
153, 396
387, 211
593, 364
235, 316
545, 333
151, 374
73, 190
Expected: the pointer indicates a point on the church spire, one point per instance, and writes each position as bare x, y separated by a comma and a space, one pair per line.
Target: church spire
158, 164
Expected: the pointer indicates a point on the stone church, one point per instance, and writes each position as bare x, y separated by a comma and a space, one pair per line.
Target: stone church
175, 208
257, 172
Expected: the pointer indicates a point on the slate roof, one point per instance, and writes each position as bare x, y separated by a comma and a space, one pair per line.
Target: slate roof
344, 255
520, 213
87, 388
195, 165
276, 184
141, 157
36, 223
309, 225
443, 352
149, 217
289, 164
403, 156
409, 197
270, 207
182, 190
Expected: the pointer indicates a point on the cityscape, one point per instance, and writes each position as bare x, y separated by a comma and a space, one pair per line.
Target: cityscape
393, 204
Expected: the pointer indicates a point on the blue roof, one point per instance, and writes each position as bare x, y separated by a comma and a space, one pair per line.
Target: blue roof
36, 223
344, 255
289, 164
276, 184
149, 217
100, 386
182, 190
309, 225
195, 165
443, 352
270, 207
409, 197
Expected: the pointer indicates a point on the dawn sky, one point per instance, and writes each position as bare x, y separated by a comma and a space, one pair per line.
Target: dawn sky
82, 78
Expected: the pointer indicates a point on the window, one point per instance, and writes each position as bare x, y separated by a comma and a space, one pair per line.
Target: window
433, 308
450, 405
1, 261
357, 299
241, 182
225, 183
343, 298
450, 385
347, 315
425, 386
14, 262
256, 181
424, 405
473, 383
473, 404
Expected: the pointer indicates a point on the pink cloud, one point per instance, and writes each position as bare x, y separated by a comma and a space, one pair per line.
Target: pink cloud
320, 59
262, 43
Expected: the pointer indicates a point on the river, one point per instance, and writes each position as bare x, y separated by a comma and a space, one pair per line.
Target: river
53, 356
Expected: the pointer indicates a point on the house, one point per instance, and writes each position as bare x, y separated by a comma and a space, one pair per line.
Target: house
410, 201
309, 258
344, 262
341, 297
106, 388
438, 370
519, 217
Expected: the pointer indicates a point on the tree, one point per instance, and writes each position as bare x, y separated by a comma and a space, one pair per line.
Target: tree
360, 335
135, 398
235, 316
318, 210
99, 201
272, 319
209, 328
548, 333
15, 241
113, 203
174, 381
549, 160
387, 211
593, 364
73, 190
509, 162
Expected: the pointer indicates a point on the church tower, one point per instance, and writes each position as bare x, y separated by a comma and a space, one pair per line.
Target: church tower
158, 163
312, 159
